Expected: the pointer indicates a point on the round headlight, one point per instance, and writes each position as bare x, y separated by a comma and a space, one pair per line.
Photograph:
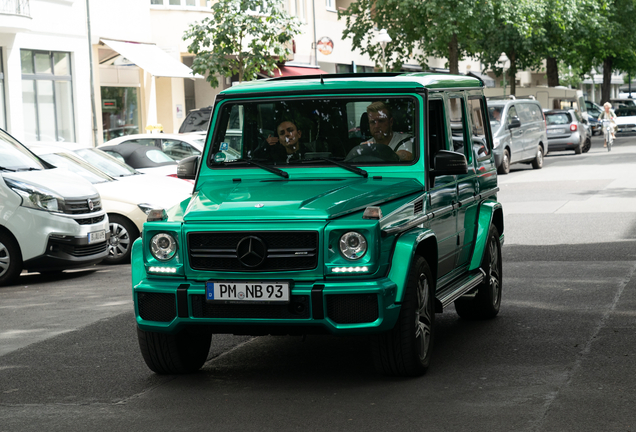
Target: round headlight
163, 246
353, 245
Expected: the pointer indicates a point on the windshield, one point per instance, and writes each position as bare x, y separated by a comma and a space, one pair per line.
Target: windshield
15, 157
105, 162
494, 115
76, 165
360, 131
625, 112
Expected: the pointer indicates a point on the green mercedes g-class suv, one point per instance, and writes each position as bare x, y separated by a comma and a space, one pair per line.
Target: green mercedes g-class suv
339, 204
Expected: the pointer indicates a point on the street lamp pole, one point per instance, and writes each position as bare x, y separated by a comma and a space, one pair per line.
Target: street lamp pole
503, 58
383, 38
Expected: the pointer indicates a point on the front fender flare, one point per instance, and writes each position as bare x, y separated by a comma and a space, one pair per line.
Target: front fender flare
405, 249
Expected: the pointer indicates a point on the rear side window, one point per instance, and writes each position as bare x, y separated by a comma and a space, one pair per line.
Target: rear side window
477, 113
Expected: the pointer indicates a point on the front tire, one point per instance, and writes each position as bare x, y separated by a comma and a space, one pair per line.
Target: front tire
10, 259
181, 353
504, 168
122, 235
537, 162
406, 349
487, 301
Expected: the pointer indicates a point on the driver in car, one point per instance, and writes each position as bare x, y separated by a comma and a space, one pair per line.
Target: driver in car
381, 127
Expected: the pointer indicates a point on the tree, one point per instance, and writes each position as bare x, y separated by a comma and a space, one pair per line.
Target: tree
243, 37
441, 28
610, 41
510, 30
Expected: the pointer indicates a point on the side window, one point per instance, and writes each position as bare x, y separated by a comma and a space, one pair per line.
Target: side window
457, 123
512, 113
177, 149
144, 142
525, 116
436, 127
535, 109
477, 110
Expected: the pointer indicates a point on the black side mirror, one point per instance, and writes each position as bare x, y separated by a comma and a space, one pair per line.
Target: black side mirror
188, 167
514, 123
449, 163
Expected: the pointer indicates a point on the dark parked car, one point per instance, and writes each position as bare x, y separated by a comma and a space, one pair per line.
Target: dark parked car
196, 121
567, 131
594, 124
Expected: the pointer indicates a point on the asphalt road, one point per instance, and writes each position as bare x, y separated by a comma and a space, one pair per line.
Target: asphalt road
560, 356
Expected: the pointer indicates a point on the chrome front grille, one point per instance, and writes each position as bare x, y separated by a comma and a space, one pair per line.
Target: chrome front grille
82, 206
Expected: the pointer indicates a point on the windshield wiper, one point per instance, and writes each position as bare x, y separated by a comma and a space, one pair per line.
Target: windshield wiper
7, 169
269, 168
353, 169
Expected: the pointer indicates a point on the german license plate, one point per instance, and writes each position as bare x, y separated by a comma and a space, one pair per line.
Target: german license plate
555, 131
247, 291
96, 237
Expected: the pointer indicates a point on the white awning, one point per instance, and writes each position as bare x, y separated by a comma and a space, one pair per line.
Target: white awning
152, 59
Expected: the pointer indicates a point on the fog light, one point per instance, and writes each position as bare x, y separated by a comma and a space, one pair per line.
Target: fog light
350, 269
162, 270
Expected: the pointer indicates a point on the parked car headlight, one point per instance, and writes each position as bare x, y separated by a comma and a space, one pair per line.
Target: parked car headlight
147, 207
353, 245
163, 246
36, 197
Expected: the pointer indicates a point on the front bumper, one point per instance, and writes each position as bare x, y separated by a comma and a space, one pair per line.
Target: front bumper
334, 307
66, 252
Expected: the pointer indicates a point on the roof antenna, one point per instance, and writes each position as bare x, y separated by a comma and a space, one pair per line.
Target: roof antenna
321, 80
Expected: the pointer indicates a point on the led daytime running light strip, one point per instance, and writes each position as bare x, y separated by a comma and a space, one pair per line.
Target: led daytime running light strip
163, 269
350, 269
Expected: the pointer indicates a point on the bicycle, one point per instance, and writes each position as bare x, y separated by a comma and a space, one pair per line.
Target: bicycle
607, 133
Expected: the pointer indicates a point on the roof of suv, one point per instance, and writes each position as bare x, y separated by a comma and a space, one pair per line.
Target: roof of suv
370, 82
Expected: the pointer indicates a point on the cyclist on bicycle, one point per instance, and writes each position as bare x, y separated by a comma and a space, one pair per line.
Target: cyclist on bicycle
608, 114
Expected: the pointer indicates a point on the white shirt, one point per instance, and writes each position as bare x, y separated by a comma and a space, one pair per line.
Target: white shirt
395, 139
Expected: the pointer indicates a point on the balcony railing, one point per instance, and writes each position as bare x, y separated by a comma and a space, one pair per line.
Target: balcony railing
15, 7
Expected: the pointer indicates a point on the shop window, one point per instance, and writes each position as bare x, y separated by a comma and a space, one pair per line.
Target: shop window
331, 5
47, 96
120, 111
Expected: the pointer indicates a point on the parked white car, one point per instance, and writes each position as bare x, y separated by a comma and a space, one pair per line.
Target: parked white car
50, 219
127, 196
626, 120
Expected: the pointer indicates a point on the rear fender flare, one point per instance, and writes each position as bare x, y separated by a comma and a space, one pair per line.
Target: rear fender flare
490, 212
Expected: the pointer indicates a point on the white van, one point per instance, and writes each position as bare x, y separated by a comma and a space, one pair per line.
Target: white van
50, 219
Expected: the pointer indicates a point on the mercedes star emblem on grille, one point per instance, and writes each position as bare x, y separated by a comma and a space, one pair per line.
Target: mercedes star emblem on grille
251, 251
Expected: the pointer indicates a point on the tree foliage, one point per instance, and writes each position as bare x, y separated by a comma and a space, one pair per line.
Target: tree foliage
243, 37
440, 28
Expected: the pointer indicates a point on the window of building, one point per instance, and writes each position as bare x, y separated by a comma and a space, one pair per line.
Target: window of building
187, 3
3, 114
331, 5
348, 68
47, 96
298, 9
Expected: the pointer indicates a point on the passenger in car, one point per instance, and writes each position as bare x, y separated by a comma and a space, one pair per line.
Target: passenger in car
285, 147
381, 128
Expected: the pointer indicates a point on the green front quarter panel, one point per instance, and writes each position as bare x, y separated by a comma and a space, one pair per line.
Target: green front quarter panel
403, 254
487, 211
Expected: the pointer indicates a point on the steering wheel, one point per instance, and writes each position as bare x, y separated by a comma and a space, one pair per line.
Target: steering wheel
373, 153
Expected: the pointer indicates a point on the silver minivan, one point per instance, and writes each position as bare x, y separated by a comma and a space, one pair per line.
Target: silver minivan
518, 131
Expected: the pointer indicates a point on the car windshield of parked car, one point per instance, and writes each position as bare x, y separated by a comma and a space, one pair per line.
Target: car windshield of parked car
77, 165
316, 132
626, 112
557, 119
15, 157
105, 162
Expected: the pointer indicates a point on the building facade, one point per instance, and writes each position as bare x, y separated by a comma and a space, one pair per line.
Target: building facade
90, 70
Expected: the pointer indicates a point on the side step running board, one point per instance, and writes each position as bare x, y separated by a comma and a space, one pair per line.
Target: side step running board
461, 287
